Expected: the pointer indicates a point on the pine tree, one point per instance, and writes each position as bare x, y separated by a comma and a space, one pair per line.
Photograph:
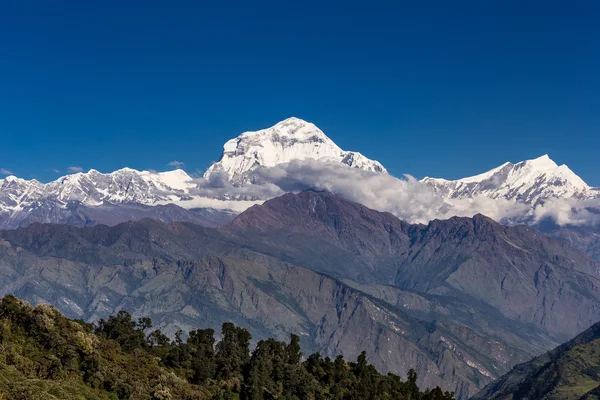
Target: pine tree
232, 351
201, 346
293, 350
124, 330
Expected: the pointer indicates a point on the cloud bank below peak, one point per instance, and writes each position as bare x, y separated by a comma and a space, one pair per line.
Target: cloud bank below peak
406, 197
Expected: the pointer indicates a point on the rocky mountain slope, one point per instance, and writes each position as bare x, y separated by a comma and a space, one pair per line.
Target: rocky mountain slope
476, 257
584, 238
77, 214
463, 299
570, 371
182, 286
288, 140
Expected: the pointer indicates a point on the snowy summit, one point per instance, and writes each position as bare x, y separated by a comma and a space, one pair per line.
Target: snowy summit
94, 188
289, 140
529, 182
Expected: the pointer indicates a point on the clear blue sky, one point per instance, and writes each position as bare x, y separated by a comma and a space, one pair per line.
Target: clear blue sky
439, 91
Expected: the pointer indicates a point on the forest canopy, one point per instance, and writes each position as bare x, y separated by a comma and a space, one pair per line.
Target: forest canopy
44, 355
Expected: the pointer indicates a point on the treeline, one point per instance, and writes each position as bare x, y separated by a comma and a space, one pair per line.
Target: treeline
44, 355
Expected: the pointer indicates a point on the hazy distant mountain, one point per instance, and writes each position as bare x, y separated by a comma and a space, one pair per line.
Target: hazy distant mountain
571, 371
91, 198
94, 188
463, 299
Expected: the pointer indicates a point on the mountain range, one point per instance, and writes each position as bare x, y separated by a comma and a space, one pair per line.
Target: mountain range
287, 232
463, 299
530, 184
267, 163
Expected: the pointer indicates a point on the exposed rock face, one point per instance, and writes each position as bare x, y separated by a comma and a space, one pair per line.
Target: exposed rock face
463, 300
570, 371
560, 203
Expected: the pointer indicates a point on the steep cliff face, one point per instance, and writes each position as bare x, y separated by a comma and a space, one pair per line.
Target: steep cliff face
463, 299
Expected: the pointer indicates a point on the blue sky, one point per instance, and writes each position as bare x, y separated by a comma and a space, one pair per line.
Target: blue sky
437, 90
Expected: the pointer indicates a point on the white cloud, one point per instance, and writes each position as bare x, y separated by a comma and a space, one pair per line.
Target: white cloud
177, 164
218, 186
74, 170
4, 171
406, 198
569, 211
56, 171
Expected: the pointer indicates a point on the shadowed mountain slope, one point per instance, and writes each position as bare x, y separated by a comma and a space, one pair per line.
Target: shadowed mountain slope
516, 270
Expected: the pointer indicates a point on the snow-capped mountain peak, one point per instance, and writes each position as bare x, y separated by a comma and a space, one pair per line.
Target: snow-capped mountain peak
290, 129
94, 188
288, 140
531, 182
541, 163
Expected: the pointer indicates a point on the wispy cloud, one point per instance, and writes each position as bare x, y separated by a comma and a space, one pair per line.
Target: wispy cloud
4, 171
74, 170
56, 171
177, 164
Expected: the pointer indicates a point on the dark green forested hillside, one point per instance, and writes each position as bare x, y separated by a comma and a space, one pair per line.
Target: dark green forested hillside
44, 355
569, 372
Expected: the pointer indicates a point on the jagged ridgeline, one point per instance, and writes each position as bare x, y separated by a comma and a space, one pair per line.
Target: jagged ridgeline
44, 355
